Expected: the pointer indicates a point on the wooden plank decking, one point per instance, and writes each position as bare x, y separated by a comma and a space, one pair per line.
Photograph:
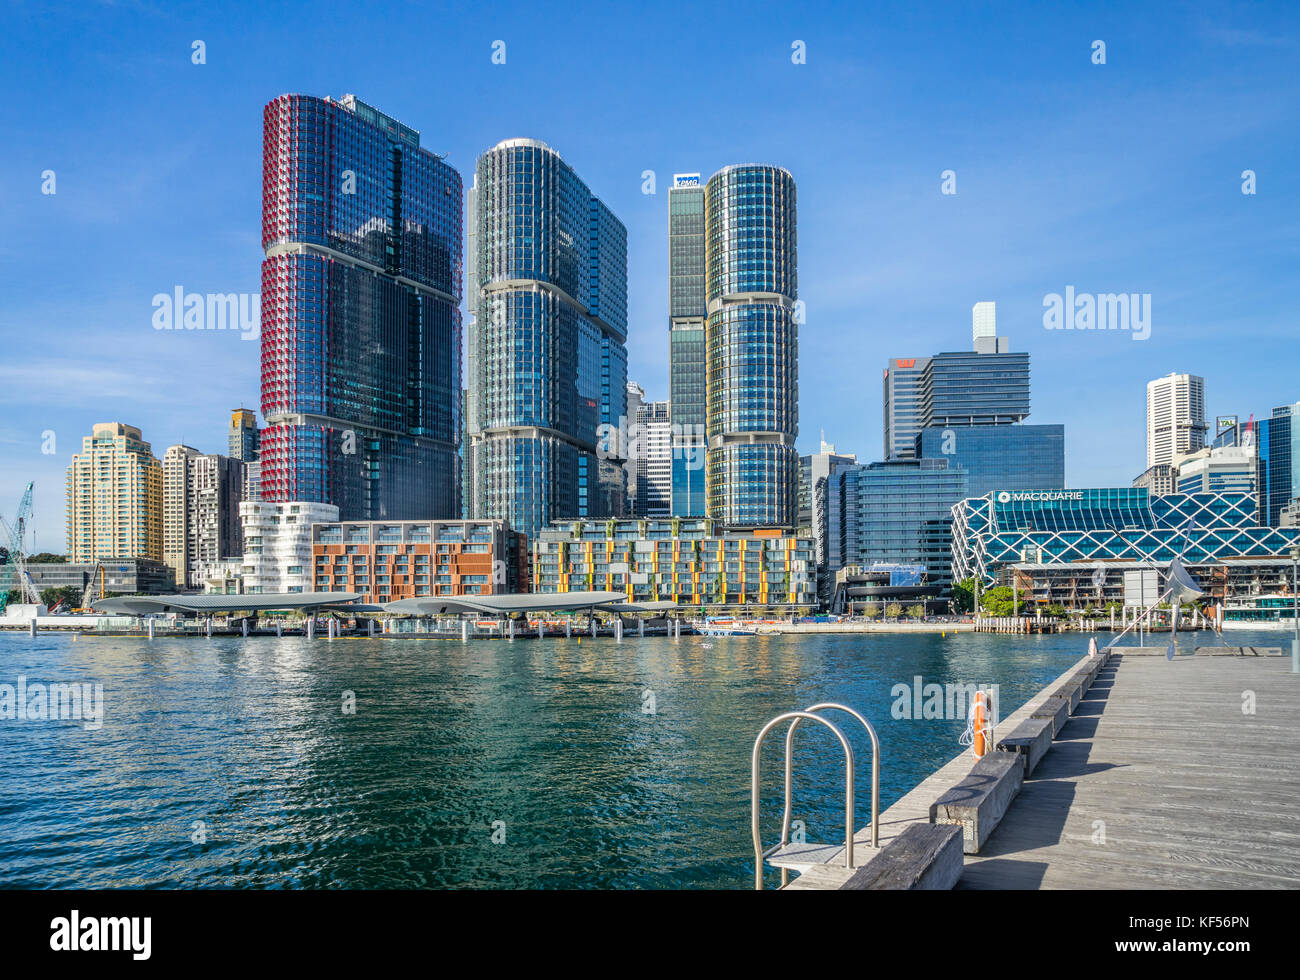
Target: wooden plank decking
1160, 780
1191, 791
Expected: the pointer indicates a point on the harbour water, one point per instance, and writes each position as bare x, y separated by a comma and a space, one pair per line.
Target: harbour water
532, 764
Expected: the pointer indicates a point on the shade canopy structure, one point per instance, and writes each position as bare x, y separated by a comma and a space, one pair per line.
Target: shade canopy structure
506, 605
205, 605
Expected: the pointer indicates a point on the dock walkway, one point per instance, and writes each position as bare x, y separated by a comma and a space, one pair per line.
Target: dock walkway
1158, 780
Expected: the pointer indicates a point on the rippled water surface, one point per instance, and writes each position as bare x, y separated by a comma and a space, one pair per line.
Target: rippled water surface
249, 737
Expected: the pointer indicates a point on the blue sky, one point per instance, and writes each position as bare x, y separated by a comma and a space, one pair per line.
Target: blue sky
1122, 177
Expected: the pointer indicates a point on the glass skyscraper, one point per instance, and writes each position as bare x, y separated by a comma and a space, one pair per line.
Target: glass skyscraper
1277, 441
751, 285
686, 353
549, 363
1000, 457
360, 326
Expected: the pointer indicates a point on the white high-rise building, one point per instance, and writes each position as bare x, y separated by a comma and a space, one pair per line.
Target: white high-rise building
1175, 417
277, 544
984, 322
654, 460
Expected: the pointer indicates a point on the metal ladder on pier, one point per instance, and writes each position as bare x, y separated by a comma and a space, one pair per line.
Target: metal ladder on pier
802, 856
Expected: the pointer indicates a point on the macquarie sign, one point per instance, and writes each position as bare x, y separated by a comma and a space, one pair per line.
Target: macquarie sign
1014, 496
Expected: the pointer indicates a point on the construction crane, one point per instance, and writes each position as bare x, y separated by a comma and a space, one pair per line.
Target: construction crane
14, 569
94, 589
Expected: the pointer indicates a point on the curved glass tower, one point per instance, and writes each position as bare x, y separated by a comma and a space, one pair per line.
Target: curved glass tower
751, 284
548, 364
360, 326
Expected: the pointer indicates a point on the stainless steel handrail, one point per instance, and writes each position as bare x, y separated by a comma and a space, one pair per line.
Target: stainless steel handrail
796, 716
789, 775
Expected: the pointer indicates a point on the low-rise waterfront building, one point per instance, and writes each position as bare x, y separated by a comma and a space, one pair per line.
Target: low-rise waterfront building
860, 587
120, 576
689, 561
278, 545
1130, 524
1095, 586
390, 560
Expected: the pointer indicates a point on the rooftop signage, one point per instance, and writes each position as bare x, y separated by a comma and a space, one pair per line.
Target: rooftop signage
686, 180
1007, 496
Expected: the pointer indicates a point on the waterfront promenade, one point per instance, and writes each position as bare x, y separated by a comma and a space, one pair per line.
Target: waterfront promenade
1159, 779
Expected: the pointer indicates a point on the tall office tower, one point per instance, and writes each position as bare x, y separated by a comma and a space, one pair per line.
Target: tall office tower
635, 399
1175, 417
687, 312
654, 472
984, 323
550, 328
115, 497
812, 468
1277, 443
972, 388
815, 470
361, 331
242, 438
904, 404
751, 258
201, 497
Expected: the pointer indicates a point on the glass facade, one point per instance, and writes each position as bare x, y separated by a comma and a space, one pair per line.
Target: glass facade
904, 405
360, 327
1065, 526
751, 286
1000, 457
966, 388
549, 332
896, 511
1277, 440
686, 344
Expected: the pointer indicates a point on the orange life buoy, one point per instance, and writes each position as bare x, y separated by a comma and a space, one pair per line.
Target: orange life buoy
978, 744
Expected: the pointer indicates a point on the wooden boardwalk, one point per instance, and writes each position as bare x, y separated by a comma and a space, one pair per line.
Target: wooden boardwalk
1159, 780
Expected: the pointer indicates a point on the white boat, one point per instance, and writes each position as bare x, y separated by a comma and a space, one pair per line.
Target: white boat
723, 627
1262, 612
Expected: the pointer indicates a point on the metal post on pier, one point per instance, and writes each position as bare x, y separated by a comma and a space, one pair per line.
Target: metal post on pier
1295, 611
618, 629
279, 627
568, 627
208, 623
370, 627
149, 621
244, 626
541, 630
510, 626
464, 630
33, 626
640, 627
311, 627
593, 625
